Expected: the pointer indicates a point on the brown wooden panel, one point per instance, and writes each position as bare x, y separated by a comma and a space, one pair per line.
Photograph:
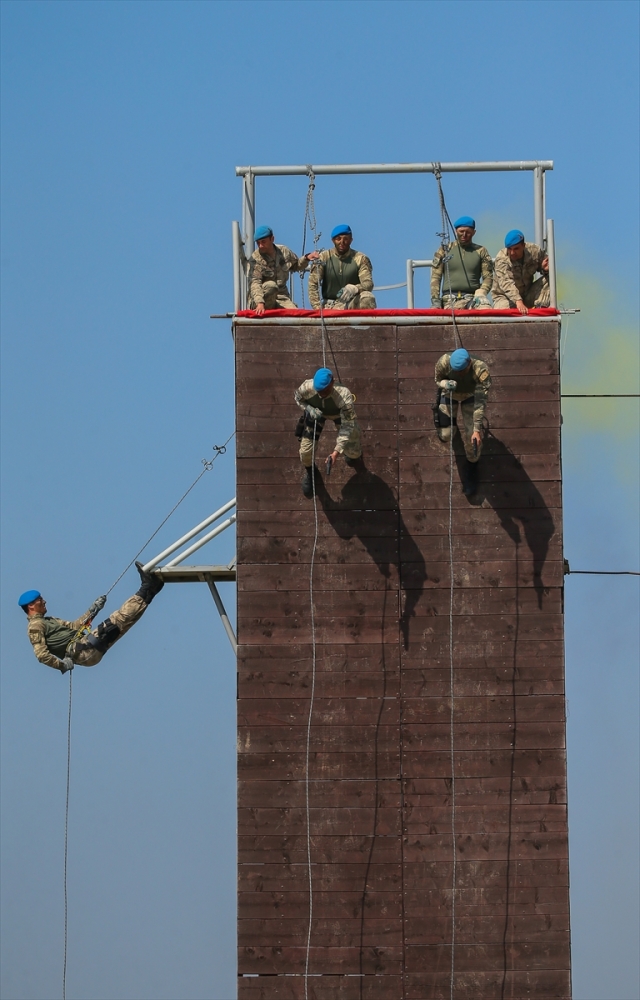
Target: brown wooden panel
326, 987
376, 960
544, 955
326, 711
372, 739
350, 793
324, 850
419, 366
279, 766
284, 417
350, 905
482, 901
520, 820
485, 709
334, 932
330, 656
489, 846
485, 873
382, 389
541, 984
484, 763
268, 337
329, 684
332, 878
545, 334
487, 736
325, 822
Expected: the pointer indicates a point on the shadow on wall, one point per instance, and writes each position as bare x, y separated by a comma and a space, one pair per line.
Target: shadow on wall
366, 491
517, 501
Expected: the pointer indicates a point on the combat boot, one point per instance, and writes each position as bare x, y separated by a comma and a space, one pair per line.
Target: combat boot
355, 463
309, 481
150, 584
470, 478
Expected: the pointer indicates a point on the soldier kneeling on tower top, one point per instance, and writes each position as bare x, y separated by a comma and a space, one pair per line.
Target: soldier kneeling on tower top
463, 387
61, 644
321, 399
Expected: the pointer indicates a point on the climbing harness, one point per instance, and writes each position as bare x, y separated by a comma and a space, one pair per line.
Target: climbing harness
66, 840
313, 689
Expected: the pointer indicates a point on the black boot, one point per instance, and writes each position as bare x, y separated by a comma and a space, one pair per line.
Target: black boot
150, 584
309, 481
355, 463
470, 481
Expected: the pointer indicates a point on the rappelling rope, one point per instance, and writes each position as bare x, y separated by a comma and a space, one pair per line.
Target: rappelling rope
309, 217
66, 840
447, 237
452, 692
219, 449
313, 688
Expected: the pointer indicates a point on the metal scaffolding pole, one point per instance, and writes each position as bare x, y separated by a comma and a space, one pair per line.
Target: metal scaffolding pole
392, 168
538, 206
224, 617
551, 251
248, 209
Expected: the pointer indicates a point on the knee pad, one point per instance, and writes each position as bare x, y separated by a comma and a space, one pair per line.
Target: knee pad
104, 636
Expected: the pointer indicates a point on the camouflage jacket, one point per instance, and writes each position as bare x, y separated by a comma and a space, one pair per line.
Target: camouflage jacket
45, 633
365, 273
476, 382
337, 406
438, 270
263, 267
513, 278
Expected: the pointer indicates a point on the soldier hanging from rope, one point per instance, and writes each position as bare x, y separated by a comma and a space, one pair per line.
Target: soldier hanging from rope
61, 644
343, 277
270, 267
321, 399
468, 381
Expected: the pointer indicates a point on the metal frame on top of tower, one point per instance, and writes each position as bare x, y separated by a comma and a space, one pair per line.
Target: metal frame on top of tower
543, 233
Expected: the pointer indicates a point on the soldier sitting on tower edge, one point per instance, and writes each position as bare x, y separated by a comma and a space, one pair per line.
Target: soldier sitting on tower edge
468, 381
343, 277
321, 399
515, 267
269, 269
463, 281
61, 644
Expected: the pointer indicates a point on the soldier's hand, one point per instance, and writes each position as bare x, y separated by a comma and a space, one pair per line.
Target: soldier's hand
314, 255
314, 412
347, 293
66, 664
449, 385
259, 309
545, 264
334, 456
436, 303
476, 438
520, 306
97, 606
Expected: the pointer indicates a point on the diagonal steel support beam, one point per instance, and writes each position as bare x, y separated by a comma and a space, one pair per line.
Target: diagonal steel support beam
224, 617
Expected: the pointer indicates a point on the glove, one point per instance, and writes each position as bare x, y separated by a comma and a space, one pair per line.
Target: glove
314, 413
481, 298
449, 385
349, 292
436, 303
97, 606
67, 664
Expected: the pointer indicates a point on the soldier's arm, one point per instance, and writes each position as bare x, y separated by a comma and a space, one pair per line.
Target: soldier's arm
255, 282
487, 271
347, 418
481, 393
315, 277
437, 269
365, 274
35, 631
442, 373
504, 282
305, 392
79, 622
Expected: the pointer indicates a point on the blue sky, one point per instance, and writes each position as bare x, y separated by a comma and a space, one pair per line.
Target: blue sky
121, 126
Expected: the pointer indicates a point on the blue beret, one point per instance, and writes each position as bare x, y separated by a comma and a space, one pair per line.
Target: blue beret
459, 360
262, 232
322, 379
28, 597
465, 220
513, 237
341, 231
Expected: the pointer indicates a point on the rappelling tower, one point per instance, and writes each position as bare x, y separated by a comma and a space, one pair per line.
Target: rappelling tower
401, 714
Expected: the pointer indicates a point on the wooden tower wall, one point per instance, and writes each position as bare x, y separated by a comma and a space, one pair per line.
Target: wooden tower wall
380, 763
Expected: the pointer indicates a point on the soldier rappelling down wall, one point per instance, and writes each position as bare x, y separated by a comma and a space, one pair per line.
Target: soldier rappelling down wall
61, 644
467, 381
321, 399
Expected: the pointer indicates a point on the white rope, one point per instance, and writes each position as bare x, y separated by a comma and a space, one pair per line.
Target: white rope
452, 691
66, 840
447, 238
313, 689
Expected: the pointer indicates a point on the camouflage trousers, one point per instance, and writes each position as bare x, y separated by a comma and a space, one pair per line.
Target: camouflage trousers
131, 611
365, 300
462, 300
537, 297
352, 448
274, 297
465, 408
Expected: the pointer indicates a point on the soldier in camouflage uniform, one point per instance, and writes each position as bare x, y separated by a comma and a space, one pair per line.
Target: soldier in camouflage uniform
61, 644
468, 381
515, 267
465, 279
269, 269
321, 399
343, 274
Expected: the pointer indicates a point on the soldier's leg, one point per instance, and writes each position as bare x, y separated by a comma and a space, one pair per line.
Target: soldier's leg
466, 430
284, 302
270, 292
446, 427
365, 300
502, 302
306, 442
353, 447
82, 653
539, 295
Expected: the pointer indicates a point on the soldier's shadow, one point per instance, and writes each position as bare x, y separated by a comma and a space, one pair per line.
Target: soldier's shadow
367, 492
527, 509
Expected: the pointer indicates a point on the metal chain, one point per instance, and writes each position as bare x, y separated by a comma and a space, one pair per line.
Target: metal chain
313, 688
219, 449
66, 840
